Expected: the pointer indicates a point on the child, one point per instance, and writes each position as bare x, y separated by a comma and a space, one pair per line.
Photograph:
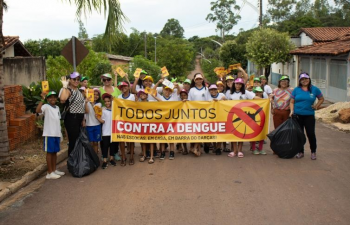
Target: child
168, 95
106, 120
51, 133
143, 97
238, 92
93, 126
229, 84
183, 97
126, 95
198, 92
221, 86
266, 88
84, 82
216, 96
259, 93
187, 85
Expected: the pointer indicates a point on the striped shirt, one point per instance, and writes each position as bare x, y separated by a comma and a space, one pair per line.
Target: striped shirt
282, 98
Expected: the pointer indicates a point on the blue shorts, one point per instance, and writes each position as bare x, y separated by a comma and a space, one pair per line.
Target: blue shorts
94, 133
52, 144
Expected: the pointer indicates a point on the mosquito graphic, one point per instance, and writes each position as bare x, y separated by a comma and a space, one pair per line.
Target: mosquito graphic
251, 115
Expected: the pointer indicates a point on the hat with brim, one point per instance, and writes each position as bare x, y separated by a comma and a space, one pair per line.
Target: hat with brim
142, 91
304, 75
213, 86
98, 90
187, 81
284, 78
257, 79
230, 78
74, 75
148, 78
143, 72
82, 89
106, 95
50, 94
184, 91
122, 84
239, 81
166, 87
257, 89
106, 75
199, 76
219, 83
263, 77
84, 78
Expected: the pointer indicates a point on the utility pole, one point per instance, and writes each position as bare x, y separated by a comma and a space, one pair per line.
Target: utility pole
145, 45
260, 15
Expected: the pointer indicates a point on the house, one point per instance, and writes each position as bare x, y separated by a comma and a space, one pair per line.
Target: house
19, 66
324, 53
119, 59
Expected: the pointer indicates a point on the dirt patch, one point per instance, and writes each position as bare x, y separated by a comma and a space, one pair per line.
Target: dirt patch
23, 159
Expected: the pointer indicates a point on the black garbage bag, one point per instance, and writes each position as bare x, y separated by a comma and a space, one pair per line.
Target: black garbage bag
288, 139
83, 160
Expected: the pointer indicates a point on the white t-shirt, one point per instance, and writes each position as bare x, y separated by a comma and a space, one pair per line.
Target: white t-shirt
172, 98
90, 117
107, 126
240, 96
131, 97
219, 96
196, 94
267, 89
52, 123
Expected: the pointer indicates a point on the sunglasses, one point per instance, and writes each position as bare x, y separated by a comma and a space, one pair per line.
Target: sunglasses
75, 79
108, 79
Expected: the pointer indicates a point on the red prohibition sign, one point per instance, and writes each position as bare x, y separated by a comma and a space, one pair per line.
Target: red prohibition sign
238, 110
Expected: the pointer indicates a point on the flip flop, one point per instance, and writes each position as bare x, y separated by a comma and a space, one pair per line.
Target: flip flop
231, 154
240, 155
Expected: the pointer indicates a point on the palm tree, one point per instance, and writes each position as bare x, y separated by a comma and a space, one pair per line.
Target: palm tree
115, 19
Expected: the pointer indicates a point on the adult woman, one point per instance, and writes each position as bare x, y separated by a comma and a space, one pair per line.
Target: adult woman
74, 99
267, 89
280, 100
302, 106
108, 85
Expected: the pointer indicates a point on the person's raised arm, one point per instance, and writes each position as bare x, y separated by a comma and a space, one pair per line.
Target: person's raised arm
245, 75
38, 108
133, 89
65, 94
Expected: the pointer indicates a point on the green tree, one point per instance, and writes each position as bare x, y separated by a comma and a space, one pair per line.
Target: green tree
177, 55
147, 65
267, 46
82, 31
225, 14
172, 28
228, 53
45, 47
208, 69
280, 9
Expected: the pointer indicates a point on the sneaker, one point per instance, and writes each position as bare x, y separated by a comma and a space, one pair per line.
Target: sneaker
117, 157
112, 162
172, 155
313, 156
299, 155
52, 176
218, 151
59, 172
262, 152
148, 154
256, 152
104, 165
162, 155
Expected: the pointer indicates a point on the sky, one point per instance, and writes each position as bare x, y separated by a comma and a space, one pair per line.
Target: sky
55, 19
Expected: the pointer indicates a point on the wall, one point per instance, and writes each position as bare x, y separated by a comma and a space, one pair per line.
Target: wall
9, 52
305, 40
23, 71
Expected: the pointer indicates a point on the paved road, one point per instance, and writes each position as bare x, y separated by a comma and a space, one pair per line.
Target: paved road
206, 190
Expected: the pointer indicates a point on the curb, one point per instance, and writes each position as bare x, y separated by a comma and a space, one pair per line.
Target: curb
30, 176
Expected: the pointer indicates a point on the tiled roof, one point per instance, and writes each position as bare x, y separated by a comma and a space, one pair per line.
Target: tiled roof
119, 57
9, 41
337, 47
19, 48
325, 34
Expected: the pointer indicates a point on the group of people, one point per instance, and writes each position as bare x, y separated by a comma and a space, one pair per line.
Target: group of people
85, 111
